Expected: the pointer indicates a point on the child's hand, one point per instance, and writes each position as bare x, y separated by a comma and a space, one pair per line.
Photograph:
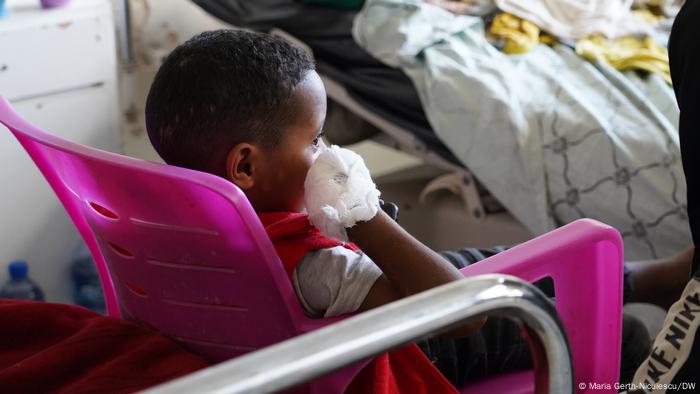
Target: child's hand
339, 192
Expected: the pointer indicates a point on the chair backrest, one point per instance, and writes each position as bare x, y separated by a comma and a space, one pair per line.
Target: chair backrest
177, 250
585, 261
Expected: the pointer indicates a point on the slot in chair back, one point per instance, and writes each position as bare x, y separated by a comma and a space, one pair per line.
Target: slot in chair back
177, 250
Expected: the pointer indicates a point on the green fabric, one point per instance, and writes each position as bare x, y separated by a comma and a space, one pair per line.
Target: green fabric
347, 4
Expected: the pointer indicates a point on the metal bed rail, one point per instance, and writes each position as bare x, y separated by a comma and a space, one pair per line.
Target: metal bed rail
311, 355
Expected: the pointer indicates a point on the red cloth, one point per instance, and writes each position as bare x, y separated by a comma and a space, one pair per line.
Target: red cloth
46, 347
402, 371
293, 236
406, 370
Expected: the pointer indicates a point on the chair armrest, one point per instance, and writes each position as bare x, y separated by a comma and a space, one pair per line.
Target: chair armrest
325, 350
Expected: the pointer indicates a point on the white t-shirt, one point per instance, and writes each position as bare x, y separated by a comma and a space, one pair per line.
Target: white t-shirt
333, 281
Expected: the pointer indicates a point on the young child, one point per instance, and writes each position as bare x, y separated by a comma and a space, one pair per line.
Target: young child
250, 107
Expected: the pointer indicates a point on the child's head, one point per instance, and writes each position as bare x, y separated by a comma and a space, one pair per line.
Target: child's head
245, 106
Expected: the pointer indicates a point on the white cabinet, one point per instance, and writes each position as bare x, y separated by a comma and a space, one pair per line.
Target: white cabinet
58, 68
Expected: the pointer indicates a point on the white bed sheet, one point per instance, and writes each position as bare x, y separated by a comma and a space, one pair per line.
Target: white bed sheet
552, 136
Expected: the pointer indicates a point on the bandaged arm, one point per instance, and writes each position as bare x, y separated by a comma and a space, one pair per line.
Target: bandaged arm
342, 201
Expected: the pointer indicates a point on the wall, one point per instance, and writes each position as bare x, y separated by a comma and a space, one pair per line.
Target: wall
158, 26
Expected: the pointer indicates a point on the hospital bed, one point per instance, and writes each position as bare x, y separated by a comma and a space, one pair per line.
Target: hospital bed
619, 162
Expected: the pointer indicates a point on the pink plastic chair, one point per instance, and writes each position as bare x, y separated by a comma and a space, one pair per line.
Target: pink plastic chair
585, 261
184, 252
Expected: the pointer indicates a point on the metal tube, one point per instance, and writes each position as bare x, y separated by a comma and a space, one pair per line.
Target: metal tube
322, 351
127, 51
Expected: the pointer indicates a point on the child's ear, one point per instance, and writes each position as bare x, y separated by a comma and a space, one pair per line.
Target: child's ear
241, 165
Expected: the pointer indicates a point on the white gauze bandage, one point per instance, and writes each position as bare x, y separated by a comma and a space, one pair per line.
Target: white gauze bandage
339, 192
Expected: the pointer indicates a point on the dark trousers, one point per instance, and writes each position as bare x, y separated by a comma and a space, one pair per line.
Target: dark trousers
499, 346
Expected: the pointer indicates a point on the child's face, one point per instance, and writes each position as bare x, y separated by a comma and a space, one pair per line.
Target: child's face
279, 184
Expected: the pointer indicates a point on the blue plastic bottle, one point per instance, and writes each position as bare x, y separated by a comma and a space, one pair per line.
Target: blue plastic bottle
20, 286
87, 290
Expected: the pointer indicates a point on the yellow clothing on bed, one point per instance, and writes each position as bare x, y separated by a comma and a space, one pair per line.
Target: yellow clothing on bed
520, 35
627, 53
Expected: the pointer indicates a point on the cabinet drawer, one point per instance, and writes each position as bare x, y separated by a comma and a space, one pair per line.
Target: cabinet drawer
49, 52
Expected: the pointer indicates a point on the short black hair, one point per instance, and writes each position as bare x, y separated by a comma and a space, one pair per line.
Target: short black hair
221, 88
